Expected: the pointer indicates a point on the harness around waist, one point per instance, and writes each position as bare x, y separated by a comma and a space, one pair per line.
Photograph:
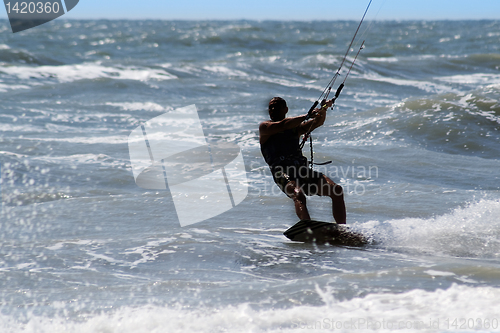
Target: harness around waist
289, 161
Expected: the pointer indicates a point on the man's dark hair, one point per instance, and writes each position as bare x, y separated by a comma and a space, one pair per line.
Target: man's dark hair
276, 104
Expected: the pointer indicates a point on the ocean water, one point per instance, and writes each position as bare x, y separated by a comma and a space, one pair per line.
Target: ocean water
414, 139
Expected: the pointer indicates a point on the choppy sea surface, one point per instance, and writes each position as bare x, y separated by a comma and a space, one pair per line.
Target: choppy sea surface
414, 139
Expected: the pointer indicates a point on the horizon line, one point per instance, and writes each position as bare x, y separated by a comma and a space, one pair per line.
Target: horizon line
266, 19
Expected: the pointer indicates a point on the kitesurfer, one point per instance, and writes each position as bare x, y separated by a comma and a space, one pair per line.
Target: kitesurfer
279, 141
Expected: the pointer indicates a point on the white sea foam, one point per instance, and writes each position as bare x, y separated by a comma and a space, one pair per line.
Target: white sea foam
138, 106
383, 59
472, 231
282, 82
473, 79
94, 139
224, 71
89, 71
7, 87
469, 308
427, 86
79, 159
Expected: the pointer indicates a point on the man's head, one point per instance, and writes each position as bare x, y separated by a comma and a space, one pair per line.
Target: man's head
277, 109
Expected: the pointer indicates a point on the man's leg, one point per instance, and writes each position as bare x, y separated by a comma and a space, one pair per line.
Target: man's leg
328, 188
299, 199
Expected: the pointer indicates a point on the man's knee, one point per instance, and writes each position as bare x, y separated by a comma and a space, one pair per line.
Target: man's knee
335, 191
338, 190
332, 190
298, 195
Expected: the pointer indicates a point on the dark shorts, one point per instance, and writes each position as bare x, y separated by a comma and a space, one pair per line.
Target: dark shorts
306, 178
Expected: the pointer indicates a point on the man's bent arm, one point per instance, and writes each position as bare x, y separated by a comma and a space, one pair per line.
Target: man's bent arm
318, 120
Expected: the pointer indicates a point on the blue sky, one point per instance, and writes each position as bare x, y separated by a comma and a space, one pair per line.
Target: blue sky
284, 9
